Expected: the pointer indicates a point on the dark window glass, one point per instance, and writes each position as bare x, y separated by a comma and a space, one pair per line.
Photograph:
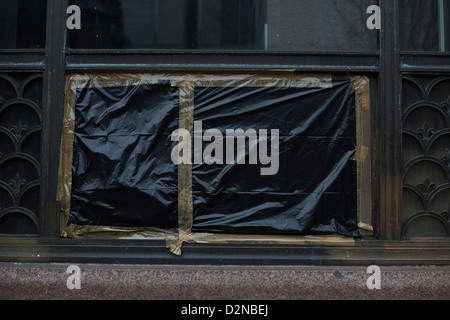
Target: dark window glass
325, 25
273, 25
22, 24
425, 25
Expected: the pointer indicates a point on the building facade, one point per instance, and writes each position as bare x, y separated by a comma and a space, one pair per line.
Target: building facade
394, 54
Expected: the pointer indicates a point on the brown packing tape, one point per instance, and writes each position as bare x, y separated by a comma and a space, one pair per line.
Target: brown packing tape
65, 169
185, 205
186, 82
278, 78
361, 86
297, 81
268, 239
112, 232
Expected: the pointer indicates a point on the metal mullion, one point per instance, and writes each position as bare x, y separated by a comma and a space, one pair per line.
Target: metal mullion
53, 96
389, 125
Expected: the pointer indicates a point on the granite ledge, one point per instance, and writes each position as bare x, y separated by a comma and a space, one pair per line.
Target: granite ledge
40, 281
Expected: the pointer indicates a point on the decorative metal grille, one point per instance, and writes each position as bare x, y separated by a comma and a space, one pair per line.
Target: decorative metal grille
426, 156
20, 135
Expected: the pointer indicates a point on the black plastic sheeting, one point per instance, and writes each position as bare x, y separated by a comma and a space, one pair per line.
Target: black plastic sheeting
314, 190
122, 171
123, 174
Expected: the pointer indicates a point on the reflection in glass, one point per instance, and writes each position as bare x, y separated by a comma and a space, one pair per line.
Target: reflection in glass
424, 25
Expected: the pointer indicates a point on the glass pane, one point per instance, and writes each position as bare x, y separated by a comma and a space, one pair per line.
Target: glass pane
425, 25
325, 25
22, 24
274, 25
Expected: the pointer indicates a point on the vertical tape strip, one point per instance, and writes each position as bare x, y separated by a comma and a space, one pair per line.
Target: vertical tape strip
363, 157
185, 206
65, 169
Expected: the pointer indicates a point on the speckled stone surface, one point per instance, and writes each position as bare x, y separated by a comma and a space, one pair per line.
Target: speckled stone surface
202, 282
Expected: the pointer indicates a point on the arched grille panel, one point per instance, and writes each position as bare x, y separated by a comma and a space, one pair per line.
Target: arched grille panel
426, 156
20, 137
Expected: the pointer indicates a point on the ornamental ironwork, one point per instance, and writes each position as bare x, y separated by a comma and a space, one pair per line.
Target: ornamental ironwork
426, 155
20, 135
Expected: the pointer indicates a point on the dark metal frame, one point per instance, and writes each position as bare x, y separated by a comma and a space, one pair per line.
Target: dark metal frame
385, 69
389, 125
144, 60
